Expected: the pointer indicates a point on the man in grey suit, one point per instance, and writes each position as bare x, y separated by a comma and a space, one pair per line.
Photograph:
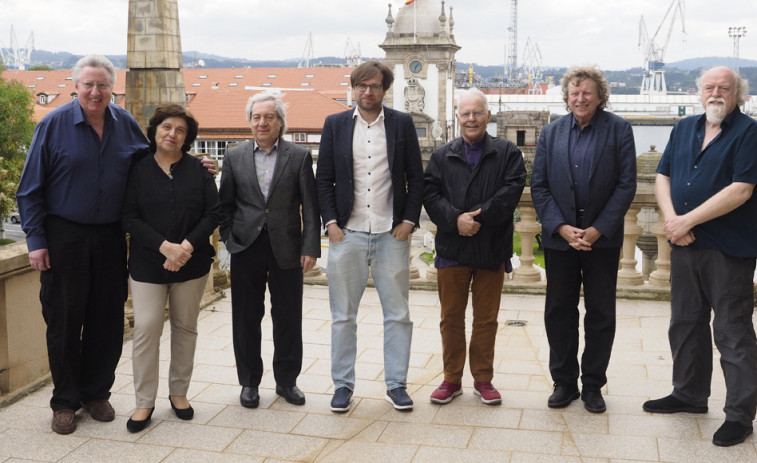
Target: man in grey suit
582, 184
270, 226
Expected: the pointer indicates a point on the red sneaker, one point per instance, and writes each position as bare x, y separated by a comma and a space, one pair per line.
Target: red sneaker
446, 392
488, 393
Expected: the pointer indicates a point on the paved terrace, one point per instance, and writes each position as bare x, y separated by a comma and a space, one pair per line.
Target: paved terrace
522, 429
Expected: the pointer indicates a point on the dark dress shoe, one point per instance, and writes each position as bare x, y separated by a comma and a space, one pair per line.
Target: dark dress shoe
292, 394
340, 403
731, 433
670, 404
100, 410
562, 396
593, 401
139, 425
249, 397
64, 421
182, 413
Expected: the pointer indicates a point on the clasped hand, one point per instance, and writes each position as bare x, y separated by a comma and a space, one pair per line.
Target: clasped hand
578, 238
177, 255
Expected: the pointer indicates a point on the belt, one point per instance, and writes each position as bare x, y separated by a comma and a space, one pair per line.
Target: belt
579, 218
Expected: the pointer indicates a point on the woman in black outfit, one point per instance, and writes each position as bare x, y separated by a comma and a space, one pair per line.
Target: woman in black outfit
170, 210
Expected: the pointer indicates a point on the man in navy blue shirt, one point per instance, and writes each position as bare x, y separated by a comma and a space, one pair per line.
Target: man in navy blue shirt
704, 189
70, 198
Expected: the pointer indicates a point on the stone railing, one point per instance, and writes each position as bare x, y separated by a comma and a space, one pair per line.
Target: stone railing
628, 275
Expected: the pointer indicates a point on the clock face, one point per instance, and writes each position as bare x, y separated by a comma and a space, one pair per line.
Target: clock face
416, 66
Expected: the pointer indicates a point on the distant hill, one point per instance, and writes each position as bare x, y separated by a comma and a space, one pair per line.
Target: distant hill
680, 75
707, 62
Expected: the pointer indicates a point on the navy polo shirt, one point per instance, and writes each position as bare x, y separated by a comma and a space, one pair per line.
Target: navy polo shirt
696, 175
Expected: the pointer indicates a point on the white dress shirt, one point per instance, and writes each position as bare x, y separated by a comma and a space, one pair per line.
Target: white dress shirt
372, 209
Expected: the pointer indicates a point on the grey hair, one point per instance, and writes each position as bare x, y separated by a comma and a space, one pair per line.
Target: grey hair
741, 84
281, 110
473, 93
94, 61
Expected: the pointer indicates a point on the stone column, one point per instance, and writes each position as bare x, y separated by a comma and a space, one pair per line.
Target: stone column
661, 276
628, 275
153, 57
527, 228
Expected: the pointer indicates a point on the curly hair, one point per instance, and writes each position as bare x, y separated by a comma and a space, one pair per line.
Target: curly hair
577, 74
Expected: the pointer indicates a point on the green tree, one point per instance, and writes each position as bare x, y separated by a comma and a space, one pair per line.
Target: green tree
16, 130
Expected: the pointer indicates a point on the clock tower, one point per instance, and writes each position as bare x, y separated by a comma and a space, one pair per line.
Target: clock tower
420, 48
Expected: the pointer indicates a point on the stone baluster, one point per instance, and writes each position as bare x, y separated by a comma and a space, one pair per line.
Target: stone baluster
628, 275
527, 228
661, 276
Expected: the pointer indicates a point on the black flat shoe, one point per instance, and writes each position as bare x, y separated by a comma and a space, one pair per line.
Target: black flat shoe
182, 413
249, 397
292, 394
139, 425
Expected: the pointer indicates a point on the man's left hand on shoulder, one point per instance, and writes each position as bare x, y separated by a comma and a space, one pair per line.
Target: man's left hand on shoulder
210, 165
403, 230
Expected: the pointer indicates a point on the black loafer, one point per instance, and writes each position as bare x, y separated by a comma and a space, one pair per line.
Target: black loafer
340, 403
139, 425
562, 396
593, 401
249, 397
292, 394
731, 433
670, 404
182, 413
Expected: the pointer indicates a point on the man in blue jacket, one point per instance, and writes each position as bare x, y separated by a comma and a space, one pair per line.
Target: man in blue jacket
472, 186
582, 184
370, 187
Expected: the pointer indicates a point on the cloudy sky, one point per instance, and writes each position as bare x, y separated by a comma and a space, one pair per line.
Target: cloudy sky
603, 32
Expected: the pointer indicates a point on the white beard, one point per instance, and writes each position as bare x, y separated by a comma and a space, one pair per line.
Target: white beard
715, 113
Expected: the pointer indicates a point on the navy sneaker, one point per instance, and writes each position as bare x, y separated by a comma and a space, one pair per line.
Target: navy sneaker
399, 399
340, 403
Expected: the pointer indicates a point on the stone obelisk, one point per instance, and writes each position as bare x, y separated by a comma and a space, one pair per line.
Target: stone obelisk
153, 57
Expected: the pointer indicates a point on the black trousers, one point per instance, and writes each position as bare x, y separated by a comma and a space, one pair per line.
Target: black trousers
82, 296
567, 270
251, 269
706, 284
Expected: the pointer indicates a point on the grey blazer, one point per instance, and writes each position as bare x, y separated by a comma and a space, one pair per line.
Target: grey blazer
290, 214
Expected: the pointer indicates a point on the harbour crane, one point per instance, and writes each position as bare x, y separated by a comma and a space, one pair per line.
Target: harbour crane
16, 57
653, 81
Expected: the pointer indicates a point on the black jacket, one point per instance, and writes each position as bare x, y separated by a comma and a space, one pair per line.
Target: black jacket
494, 185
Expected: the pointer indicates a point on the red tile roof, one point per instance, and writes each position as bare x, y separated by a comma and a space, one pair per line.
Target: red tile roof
219, 96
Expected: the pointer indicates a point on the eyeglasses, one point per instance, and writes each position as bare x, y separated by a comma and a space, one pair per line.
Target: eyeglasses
364, 87
102, 86
475, 114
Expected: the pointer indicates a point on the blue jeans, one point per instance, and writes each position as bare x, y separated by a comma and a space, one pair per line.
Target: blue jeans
347, 269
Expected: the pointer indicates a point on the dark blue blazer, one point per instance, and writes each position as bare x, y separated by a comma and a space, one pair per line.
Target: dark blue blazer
612, 181
334, 174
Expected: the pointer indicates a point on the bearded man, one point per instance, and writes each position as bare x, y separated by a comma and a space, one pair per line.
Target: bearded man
704, 189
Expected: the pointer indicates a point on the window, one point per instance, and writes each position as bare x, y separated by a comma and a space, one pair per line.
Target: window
300, 137
216, 149
520, 137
